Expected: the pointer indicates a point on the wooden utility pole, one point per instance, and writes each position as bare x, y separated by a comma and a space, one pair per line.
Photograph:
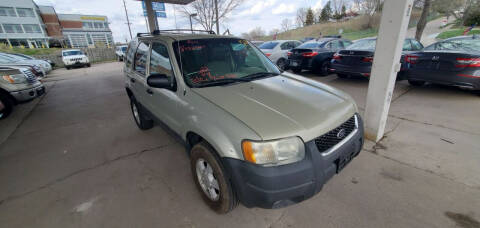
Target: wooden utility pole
128, 21
216, 16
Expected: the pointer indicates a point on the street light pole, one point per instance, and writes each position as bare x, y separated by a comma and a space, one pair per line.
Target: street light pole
216, 16
191, 26
128, 21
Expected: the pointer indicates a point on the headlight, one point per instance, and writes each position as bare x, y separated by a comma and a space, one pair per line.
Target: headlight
276, 152
15, 78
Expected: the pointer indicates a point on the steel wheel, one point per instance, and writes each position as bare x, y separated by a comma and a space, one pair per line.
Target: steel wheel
207, 179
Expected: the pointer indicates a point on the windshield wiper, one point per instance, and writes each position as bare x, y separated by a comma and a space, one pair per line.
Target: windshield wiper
223, 82
260, 75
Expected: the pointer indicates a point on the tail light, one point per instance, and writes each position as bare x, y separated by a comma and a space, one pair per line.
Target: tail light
412, 59
367, 59
309, 54
289, 53
268, 54
336, 56
468, 62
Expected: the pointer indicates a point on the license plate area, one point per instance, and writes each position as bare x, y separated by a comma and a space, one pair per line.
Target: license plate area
294, 63
343, 160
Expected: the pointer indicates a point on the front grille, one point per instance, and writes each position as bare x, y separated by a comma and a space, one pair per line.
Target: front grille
75, 59
31, 78
332, 138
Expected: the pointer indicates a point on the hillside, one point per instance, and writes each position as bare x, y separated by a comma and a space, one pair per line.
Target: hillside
355, 28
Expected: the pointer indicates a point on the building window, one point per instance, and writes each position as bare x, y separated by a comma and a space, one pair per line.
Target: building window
78, 40
25, 12
1, 29
32, 28
87, 25
106, 25
12, 28
7, 11
98, 25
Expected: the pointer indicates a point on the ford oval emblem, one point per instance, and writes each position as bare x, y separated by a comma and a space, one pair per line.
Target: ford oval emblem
341, 134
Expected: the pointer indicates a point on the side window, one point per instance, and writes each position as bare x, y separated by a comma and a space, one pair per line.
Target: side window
335, 45
346, 43
130, 53
140, 65
160, 61
286, 46
296, 44
407, 46
416, 45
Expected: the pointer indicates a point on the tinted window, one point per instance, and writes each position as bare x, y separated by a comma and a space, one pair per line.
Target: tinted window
368, 44
286, 46
416, 45
310, 45
296, 43
268, 45
468, 44
159, 60
346, 43
335, 45
140, 65
68, 53
407, 46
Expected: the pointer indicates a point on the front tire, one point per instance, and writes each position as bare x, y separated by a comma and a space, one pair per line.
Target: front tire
297, 70
416, 83
210, 179
6, 106
142, 122
323, 71
88, 65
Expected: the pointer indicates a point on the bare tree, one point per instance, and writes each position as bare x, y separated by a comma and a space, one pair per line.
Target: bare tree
369, 7
286, 24
253, 34
423, 20
205, 10
301, 17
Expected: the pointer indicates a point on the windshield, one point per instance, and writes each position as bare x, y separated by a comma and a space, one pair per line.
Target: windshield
203, 61
124, 49
68, 53
310, 45
268, 45
468, 45
368, 44
5, 60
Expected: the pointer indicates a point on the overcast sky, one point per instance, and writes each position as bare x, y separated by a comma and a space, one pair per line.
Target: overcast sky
267, 14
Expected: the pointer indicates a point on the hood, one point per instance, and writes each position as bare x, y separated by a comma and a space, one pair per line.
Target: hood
283, 106
74, 56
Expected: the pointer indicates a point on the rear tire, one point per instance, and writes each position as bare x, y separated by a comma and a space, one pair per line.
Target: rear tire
210, 178
416, 83
342, 75
68, 68
297, 70
6, 106
142, 122
282, 64
88, 64
323, 71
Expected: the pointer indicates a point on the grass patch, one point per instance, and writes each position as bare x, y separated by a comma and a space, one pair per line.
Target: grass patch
29, 51
456, 32
355, 35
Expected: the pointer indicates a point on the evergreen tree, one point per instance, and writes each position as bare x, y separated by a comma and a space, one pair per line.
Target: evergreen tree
326, 13
309, 20
344, 11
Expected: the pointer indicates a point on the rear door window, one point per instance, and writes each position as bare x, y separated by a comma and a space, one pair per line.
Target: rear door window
416, 45
130, 54
141, 55
286, 46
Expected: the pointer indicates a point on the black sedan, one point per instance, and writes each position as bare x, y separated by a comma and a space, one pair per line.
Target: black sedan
454, 62
357, 59
315, 54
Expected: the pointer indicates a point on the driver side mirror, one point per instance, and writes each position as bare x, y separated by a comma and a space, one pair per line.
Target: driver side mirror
160, 81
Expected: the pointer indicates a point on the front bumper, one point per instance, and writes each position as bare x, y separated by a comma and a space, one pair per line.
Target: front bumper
78, 63
28, 94
280, 186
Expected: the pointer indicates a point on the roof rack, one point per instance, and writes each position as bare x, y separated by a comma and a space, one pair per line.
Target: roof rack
174, 31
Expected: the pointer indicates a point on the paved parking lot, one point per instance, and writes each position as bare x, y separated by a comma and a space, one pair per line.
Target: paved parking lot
75, 158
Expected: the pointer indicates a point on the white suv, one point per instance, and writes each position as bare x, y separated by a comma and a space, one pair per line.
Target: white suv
74, 57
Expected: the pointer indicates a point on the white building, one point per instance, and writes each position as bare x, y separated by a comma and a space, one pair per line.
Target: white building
86, 30
21, 24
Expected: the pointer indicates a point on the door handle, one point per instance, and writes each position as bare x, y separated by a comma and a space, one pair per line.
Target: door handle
132, 80
149, 91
